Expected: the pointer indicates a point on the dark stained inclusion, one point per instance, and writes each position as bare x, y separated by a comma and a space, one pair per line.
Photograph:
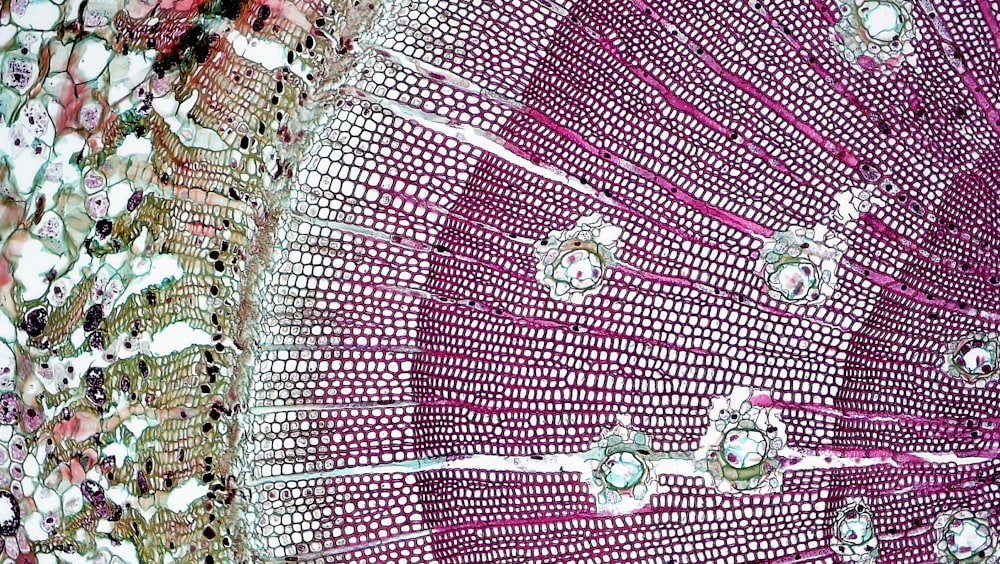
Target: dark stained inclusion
459, 281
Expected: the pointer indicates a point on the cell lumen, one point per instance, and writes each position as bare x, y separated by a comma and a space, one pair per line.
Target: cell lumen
621, 469
799, 266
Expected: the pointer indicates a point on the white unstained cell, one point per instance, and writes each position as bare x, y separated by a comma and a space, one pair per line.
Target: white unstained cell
125, 73
189, 133
91, 57
33, 262
182, 496
8, 368
267, 54
176, 337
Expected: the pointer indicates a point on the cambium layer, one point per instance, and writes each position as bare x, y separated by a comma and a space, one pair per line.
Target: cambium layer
515, 281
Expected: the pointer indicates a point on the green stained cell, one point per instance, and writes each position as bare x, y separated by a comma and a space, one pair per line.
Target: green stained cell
579, 269
795, 280
118, 408
573, 264
229, 9
799, 266
129, 122
622, 471
744, 448
8, 368
974, 358
881, 21
877, 35
62, 320
184, 300
132, 122
51, 231
965, 539
621, 466
854, 532
10, 101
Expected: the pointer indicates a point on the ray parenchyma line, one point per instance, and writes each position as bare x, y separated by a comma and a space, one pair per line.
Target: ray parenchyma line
511, 281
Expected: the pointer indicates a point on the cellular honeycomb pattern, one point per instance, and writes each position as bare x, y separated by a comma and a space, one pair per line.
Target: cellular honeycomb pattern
507, 281
797, 268
146, 149
803, 197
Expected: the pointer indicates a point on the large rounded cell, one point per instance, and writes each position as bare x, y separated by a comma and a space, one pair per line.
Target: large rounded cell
744, 448
622, 471
967, 538
10, 514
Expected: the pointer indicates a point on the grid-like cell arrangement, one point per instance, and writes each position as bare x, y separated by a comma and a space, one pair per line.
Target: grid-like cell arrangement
428, 378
